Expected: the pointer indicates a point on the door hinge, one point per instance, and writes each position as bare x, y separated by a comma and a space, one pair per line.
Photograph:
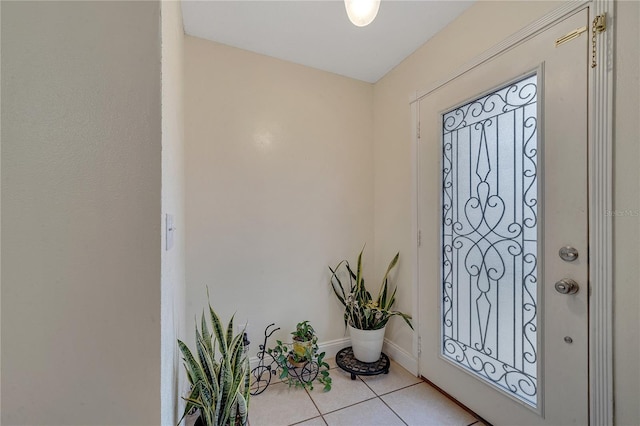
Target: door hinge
419, 345
418, 131
419, 238
599, 25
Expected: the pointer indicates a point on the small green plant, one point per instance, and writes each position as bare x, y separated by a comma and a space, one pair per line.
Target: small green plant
304, 332
219, 386
300, 362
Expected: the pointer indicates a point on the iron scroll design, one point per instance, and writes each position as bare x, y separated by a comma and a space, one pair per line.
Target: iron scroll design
489, 238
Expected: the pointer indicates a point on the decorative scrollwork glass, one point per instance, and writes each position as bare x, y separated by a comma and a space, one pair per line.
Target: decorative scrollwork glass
490, 237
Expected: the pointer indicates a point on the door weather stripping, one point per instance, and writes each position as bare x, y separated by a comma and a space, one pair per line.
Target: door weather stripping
573, 34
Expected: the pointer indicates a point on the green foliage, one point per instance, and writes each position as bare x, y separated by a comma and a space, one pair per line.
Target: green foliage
304, 332
294, 358
219, 386
361, 310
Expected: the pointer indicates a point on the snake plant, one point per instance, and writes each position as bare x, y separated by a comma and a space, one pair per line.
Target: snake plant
362, 311
219, 386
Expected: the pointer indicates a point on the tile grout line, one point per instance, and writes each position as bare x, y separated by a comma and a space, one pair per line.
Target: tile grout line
379, 397
375, 395
382, 400
315, 405
346, 406
349, 406
399, 389
393, 411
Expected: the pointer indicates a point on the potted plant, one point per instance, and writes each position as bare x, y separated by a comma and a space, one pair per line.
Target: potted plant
304, 337
219, 386
365, 316
300, 362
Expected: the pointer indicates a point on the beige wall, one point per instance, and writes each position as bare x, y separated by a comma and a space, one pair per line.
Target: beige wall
279, 171
173, 259
81, 173
458, 43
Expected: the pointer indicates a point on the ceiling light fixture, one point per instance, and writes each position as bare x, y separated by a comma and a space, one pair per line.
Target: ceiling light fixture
362, 12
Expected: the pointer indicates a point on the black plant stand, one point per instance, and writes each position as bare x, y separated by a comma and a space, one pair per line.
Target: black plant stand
350, 364
268, 367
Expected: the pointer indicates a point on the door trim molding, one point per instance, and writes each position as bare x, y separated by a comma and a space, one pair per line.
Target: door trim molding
601, 408
600, 122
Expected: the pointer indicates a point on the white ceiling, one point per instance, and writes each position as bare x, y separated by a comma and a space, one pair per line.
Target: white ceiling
318, 33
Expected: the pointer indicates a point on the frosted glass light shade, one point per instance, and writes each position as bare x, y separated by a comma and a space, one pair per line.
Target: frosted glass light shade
362, 12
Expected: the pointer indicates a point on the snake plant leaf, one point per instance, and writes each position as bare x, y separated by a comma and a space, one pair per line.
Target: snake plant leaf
237, 368
352, 275
214, 384
221, 384
247, 382
206, 334
233, 410
236, 347
226, 382
386, 305
218, 332
341, 296
405, 317
359, 279
392, 264
195, 402
188, 373
230, 402
193, 366
233, 403
192, 402
243, 409
206, 394
368, 297
205, 359
230, 331
208, 414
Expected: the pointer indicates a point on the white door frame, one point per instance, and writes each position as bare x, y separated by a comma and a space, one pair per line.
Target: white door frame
600, 169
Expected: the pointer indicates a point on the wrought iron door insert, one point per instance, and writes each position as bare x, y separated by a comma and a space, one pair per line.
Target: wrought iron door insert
490, 238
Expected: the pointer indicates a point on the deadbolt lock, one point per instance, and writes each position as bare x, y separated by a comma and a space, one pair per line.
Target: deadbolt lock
568, 253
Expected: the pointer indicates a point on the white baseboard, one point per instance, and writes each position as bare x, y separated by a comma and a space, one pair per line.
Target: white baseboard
402, 357
332, 347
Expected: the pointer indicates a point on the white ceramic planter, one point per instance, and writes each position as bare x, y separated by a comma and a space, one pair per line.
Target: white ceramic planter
367, 344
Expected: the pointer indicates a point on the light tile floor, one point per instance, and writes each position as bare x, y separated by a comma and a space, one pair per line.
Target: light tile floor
397, 398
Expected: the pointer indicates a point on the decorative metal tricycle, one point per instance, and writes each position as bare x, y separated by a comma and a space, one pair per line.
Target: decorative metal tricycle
261, 375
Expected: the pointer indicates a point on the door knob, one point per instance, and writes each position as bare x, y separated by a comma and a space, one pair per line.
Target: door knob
567, 286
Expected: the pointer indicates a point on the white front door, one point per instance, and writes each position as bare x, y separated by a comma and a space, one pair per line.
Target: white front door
502, 189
